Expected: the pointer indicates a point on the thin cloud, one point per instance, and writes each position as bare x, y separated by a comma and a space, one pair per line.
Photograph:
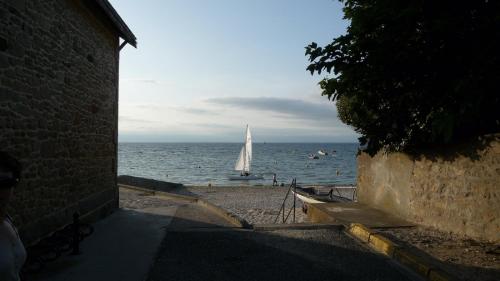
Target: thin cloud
133, 120
291, 108
198, 111
181, 109
211, 126
138, 80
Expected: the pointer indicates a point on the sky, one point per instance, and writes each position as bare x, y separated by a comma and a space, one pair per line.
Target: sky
203, 70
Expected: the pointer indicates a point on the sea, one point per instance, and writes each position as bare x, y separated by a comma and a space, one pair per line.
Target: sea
213, 163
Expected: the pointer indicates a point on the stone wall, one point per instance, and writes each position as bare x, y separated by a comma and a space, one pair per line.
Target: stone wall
58, 110
456, 190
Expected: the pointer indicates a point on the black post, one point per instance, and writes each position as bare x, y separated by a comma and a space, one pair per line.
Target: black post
76, 234
294, 196
283, 221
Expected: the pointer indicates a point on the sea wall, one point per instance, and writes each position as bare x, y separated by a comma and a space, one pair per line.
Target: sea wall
454, 189
58, 111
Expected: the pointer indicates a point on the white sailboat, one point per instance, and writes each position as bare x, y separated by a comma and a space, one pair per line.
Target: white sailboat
245, 160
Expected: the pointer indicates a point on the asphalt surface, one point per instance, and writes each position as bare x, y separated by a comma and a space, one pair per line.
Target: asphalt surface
194, 250
154, 239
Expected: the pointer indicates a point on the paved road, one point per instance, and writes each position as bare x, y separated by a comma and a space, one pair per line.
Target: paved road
194, 249
192, 243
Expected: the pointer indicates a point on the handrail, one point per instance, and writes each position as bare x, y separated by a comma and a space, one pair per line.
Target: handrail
59, 242
283, 205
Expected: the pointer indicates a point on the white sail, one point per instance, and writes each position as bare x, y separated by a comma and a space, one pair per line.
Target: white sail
248, 150
245, 160
240, 163
245, 157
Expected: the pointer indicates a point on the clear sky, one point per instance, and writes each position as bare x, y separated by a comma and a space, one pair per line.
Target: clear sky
205, 69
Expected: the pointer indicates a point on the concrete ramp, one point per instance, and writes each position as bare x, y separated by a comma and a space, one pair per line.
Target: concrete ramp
192, 216
352, 212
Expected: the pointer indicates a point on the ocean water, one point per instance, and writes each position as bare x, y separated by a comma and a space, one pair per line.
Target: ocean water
204, 163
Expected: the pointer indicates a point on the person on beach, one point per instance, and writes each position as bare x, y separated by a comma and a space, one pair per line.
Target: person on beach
275, 181
12, 251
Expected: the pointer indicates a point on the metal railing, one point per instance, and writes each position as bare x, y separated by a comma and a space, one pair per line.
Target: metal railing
343, 196
65, 240
283, 205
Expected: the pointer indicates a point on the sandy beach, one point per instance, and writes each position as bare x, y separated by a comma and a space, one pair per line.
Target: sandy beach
255, 204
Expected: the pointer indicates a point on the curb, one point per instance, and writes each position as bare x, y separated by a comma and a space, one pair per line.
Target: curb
398, 253
296, 226
230, 217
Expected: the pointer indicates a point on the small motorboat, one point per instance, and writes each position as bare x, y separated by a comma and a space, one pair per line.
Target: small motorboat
313, 156
311, 195
322, 152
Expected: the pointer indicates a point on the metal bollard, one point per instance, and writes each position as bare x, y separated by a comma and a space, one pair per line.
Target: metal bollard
76, 234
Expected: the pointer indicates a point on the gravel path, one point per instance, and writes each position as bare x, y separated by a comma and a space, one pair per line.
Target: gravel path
466, 258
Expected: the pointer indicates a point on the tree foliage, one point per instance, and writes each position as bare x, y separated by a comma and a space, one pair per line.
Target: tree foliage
409, 74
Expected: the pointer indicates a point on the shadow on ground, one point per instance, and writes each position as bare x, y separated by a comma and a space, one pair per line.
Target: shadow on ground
185, 242
194, 250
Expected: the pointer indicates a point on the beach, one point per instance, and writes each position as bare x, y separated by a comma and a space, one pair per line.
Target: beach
255, 204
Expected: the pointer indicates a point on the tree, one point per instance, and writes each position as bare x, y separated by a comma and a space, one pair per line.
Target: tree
411, 74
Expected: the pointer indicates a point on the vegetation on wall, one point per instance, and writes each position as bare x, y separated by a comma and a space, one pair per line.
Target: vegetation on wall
410, 74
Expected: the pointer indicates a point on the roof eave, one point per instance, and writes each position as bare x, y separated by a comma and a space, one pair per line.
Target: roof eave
117, 22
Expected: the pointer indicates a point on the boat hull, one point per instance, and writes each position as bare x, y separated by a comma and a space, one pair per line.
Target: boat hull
322, 153
308, 195
307, 199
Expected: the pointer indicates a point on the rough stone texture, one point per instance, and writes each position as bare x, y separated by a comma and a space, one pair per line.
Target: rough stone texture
455, 193
58, 109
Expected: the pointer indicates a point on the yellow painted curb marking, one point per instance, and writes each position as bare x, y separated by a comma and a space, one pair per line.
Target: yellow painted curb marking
393, 250
383, 244
360, 231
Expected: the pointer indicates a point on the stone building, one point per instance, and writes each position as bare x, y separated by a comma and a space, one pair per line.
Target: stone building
59, 64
